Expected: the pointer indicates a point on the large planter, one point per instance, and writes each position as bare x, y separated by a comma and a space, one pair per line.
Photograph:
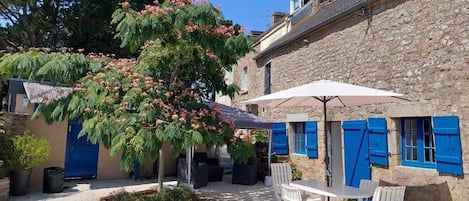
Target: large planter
4, 189
19, 182
245, 174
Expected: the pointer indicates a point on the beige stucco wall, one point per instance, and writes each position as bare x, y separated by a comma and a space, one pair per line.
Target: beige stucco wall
418, 48
56, 135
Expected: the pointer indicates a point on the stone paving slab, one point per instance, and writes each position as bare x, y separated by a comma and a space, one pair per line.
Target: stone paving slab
93, 190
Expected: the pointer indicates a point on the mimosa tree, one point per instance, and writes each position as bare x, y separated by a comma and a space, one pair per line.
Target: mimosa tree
135, 105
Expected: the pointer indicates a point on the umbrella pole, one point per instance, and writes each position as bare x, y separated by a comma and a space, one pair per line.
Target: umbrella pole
269, 160
326, 159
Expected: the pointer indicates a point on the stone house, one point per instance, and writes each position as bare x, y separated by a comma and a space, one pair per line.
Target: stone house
418, 48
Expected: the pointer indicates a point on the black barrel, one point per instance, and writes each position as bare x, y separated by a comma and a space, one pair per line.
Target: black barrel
53, 181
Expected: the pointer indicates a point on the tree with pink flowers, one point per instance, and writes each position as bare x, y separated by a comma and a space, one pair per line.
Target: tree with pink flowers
134, 105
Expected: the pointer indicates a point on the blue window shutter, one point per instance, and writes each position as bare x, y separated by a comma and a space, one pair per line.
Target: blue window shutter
311, 130
378, 141
447, 145
279, 138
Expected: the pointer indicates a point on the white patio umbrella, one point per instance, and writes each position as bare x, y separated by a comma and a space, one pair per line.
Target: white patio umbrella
326, 93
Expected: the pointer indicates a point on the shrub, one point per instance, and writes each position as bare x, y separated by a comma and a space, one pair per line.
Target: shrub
176, 194
28, 151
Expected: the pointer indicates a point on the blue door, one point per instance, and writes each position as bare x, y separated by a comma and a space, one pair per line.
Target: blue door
357, 165
81, 156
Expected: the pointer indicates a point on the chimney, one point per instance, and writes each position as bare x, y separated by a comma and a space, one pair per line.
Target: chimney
278, 17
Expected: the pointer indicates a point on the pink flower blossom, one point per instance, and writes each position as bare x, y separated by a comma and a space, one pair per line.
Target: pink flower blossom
125, 4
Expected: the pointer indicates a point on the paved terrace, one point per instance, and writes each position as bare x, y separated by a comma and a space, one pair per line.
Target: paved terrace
86, 190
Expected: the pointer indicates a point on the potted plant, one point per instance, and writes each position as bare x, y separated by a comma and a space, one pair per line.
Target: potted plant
262, 151
28, 152
243, 153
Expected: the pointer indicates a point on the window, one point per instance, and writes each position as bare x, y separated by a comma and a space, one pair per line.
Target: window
418, 147
300, 139
244, 81
267, 79
298, 3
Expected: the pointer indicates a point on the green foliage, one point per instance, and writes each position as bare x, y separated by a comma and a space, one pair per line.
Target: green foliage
241, 151
260, 136
296, 174
5, 146
189, 43
61, 23
29, 151
167, 194
133, 106
57, 68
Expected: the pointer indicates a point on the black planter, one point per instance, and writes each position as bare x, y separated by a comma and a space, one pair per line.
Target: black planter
53, 180
19, 182
245, 174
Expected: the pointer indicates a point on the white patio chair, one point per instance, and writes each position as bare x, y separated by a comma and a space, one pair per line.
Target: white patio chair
389, 193
281, 174
369, 186
290, 193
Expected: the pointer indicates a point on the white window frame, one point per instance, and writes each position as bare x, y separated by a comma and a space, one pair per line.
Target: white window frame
297, 4
244, 79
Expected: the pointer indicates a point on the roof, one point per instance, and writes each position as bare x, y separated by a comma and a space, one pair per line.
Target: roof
43, 93
240, 118
324, 16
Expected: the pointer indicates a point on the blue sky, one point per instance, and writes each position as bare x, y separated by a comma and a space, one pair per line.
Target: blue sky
252, 14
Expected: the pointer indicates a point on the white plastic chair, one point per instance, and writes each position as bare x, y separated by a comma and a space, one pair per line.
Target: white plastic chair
290, 193
281, 174
369, 186
389, 193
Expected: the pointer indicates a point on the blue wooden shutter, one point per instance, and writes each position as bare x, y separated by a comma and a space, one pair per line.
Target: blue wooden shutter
311, 130
279, 138
356, 156
447, 145
378, 141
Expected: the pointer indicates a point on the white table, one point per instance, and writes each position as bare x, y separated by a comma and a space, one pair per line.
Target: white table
338, 191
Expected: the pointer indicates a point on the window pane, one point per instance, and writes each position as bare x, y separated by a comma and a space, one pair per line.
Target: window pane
407, 127
267, 79
430, 155
296, 3
426, 140
299, 136
408, 154
414, 125
427, 155
426, 126
431, 140
408, 140
411, 154
244, 81
301, 143
414, 154
433, 155
414, 139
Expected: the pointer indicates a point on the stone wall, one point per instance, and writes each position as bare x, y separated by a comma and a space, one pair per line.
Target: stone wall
418, 48
15, 124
